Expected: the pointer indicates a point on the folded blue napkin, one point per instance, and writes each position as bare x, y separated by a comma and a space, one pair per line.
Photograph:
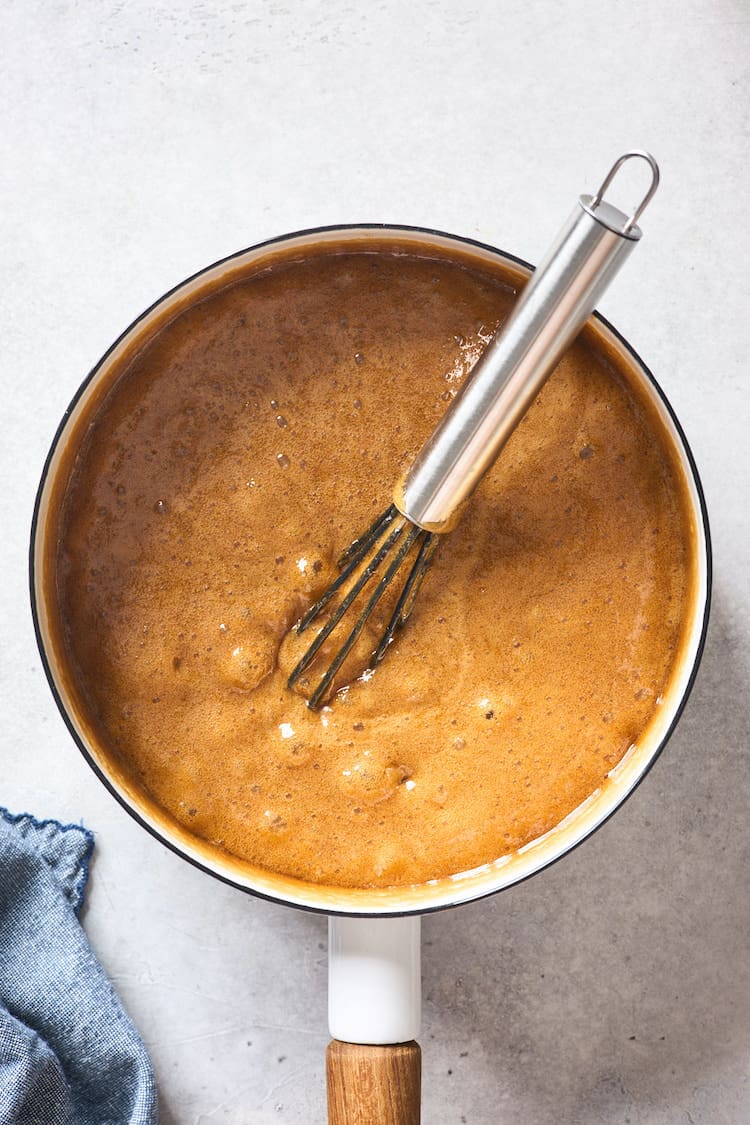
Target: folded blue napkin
69, 1055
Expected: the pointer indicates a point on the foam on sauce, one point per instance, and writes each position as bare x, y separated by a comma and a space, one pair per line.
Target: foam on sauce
249, 441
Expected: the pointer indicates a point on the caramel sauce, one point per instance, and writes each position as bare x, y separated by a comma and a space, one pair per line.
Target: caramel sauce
239, 449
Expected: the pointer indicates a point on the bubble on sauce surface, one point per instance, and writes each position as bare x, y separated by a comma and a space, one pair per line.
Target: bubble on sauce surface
310, 573
274, 822
372, 777
249, 662
389, 863
296, 755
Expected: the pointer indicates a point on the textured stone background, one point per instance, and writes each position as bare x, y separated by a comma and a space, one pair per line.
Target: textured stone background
140, 141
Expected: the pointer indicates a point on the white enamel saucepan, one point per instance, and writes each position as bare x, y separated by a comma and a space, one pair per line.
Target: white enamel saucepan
374, 982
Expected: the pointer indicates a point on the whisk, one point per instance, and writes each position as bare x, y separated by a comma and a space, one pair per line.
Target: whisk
428, 500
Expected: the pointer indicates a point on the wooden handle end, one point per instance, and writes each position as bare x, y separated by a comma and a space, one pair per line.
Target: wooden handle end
373, 1085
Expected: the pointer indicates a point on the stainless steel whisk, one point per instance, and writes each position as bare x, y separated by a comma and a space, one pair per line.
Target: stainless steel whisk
427, 501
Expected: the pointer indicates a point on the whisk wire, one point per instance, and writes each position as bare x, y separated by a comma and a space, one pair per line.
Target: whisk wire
359, 548
341, 609
381, 541
349, 560
408, 595
361, 621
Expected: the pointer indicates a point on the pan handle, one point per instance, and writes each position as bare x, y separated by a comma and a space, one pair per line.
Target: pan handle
373, 1064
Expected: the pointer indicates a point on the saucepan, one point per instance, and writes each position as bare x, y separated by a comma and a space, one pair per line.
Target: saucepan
374, 980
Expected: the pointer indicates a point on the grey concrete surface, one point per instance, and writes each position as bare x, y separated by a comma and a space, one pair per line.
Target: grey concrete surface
140, 141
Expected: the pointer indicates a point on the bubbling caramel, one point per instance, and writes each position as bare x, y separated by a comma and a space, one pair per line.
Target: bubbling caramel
239, 449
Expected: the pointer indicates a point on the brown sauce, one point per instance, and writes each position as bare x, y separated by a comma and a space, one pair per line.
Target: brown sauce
249, 441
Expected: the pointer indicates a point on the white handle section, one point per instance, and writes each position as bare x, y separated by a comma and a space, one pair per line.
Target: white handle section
374, 979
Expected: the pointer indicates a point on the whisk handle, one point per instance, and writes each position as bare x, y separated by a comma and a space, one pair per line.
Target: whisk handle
553, 307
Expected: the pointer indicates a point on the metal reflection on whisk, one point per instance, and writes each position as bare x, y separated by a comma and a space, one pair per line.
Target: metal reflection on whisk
403, 540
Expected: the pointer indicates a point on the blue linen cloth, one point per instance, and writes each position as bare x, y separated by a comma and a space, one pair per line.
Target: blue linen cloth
69, 1055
